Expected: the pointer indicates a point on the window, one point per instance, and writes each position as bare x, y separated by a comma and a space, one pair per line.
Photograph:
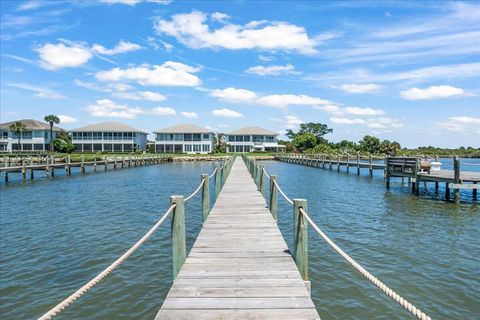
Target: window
160, 137
178, 137
206, 148
187, 148
169, 148
4, 134
197, 137
239, 138
246, 138
37, 134
168, 137
197, 148
206, 136
178, 148
108, 136
231, 138
270, 138
187, 137
27, 135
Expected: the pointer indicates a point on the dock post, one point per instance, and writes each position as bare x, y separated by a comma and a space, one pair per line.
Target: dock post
205, 196
330, 160
456, 178
95, 164
217, 180
223, 174
348, 163
24, 170
300, 237
273, 197
262, 181
67, 166
447, 192
387, 173
474, 192
47, 168
82, 164
179, 252
338, 163
52, 169
31, 168
416, 184
370, 166
106, 165
358, 163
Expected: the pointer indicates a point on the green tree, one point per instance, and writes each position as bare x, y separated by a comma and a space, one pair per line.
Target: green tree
18, 128
317, 129
61, 145
387, 147
370, 144
51, 119
304, 141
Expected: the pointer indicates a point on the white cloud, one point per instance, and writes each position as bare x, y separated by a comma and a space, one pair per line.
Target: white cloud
190, 115
56, 56
292, 122
107, 108
265, 58
220, 17
274, 70
163, 111
192, 30
462, 124
40, 92
465, 120
355, 111
347, 120
66, 119
134, 2
140, 95
234, 95
360, 88
227, 113
433, 92
121, 47
167, 74
284, 100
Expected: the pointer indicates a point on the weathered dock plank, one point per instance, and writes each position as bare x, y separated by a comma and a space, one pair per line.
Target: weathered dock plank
240, 266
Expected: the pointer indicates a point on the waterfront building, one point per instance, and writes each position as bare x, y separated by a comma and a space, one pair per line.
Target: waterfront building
184, 138
36, 136
251, 139
108, 137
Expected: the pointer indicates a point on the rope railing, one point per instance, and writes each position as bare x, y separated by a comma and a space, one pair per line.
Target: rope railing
300, 235
213, 173
389, 292
265, 172
196, 191
283, 193
80, 292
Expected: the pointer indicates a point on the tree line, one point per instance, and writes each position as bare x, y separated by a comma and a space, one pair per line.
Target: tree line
310, 138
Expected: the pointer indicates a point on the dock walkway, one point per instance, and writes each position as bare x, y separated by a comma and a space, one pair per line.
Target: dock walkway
240, 266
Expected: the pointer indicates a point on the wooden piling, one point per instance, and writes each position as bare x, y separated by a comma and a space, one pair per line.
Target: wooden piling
348, 163
217, 180
387, 173
358, 163
205, 196
262, 182
456, 178
300, 238
338, 163
370, 167
179, 252
24, 170
273, 197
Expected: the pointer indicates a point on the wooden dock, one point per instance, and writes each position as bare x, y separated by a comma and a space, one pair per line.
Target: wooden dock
240, 266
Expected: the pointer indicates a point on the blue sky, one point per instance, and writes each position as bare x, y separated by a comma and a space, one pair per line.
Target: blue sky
404, 71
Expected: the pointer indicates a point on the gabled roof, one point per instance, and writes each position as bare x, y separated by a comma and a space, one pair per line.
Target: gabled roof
108, 127
253, 131
31, 125
184, 128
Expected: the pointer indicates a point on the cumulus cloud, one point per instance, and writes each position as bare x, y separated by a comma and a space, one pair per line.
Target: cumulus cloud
284, 100
56, 56
192, 30
163, 111
121, 47
347, 120
292, 122
356, 111
380, 123
70, 54
227, 113
462, 124
140, 95
234, 95
190, 115
274, 70
360, 88
433, 92
169, 73
107, 108
66, 119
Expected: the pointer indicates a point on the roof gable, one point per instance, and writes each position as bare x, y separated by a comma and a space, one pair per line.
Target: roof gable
184, 128
253, 131
108, 127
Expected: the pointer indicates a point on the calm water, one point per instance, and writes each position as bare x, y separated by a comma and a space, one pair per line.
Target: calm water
56, 235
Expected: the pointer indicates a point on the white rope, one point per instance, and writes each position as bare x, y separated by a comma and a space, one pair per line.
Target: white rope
77, 294
282, 193
213, 173
266, 174
389, 292
196, 191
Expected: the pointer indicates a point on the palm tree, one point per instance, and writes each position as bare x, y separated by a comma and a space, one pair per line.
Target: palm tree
51, 119
18, 128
